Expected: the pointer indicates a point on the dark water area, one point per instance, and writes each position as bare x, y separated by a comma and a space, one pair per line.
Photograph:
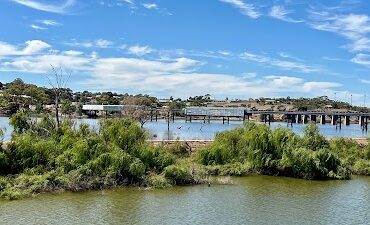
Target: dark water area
250, 200
197, 130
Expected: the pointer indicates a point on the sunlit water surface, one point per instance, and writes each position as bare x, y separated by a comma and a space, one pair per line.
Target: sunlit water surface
250, 200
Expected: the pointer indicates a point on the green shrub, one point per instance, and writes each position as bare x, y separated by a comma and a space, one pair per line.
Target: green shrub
177, 174
157, 181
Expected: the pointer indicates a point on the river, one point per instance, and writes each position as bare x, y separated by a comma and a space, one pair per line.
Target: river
250, 200
197, 130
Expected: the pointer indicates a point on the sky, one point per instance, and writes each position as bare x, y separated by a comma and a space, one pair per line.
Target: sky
226, 48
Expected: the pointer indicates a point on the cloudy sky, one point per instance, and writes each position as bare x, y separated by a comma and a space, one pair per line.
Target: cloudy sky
226, 48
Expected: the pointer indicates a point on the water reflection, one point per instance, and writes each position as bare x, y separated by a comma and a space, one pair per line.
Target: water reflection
251, 200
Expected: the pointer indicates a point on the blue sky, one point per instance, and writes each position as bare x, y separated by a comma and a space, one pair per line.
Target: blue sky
226, 48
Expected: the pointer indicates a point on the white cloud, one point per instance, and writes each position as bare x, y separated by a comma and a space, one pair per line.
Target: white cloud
7, 49
354, 27
61, 9
317, 87
31, 47
150, 5
245, 8
282, 64
41, 63
162, 77
36, 27
73, 53
50, 23
34, 47
140, 50
284, 81
362, 59
279, 12
365, 81
100, 43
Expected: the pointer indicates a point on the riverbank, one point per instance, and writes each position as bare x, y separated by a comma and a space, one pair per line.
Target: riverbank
195, 145
44, 158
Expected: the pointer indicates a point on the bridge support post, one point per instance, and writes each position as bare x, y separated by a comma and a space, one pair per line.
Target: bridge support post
298, 118
293, 118
289, 119
228, 120
361, 121
204, 119
347, 120
322, 119
304, 119
223, 120
334, 119
313, 118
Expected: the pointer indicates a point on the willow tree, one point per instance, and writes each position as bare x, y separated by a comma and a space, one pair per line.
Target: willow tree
57, 81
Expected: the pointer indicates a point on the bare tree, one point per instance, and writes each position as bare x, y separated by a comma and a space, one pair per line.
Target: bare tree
139, 113
58, 83
134, 110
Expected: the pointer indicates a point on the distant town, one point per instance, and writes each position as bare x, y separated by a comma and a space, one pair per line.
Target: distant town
18, 95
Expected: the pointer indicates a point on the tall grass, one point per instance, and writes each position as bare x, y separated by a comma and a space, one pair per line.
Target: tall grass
275, 151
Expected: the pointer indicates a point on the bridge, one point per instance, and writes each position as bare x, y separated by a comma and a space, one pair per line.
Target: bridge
207, 113
336, 117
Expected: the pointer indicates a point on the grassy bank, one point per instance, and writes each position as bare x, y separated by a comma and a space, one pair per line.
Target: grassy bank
42, 157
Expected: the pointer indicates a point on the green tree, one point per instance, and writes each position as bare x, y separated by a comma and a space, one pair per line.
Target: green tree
20, 122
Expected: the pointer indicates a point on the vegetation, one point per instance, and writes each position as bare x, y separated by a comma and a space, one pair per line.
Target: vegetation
44, 157
258, 149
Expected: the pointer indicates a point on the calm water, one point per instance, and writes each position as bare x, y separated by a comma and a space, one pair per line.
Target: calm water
250, 200
197, 130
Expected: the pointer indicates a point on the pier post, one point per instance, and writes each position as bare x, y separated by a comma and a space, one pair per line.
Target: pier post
228, 120
156, 116
304, 119
361, 121
298, 118
223, 120
322, 119
313, 118
293, 118
347, 120
334, 119
204, 119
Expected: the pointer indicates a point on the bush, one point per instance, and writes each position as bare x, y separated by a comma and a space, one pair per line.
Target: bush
178, 175
157, 181
276, 152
